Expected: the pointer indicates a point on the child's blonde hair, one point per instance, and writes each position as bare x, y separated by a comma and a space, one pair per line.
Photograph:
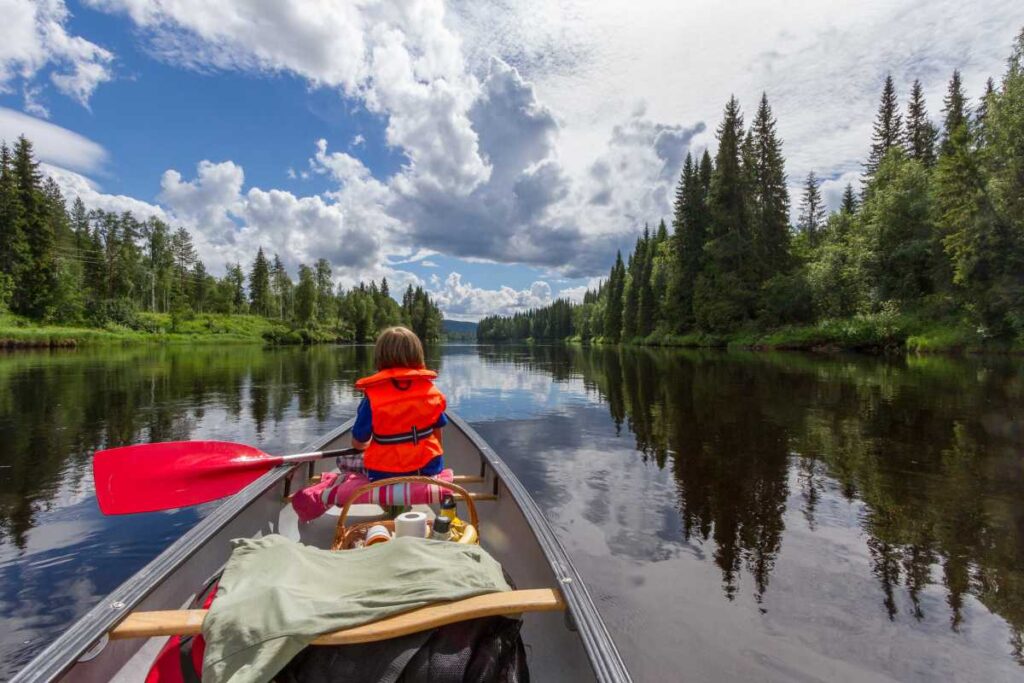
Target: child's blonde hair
398, 347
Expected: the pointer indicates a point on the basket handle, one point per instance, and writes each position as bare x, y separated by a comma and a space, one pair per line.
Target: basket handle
474, 519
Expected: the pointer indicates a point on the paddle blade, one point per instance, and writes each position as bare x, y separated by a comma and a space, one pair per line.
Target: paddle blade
163, 476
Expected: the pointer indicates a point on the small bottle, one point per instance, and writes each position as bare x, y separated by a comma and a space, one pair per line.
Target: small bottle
441, 529
448, 507
448, 511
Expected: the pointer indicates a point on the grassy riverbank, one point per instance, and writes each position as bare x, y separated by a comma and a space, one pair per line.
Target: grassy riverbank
866, 333
19, 332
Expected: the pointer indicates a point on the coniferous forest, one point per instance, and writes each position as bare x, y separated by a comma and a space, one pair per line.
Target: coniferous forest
101, 269
929, 253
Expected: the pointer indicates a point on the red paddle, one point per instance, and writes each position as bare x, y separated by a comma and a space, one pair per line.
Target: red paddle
163, 476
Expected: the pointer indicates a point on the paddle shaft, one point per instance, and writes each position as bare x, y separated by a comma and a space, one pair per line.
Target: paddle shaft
316, 455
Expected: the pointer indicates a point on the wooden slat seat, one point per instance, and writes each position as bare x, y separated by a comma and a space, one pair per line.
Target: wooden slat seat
190, 622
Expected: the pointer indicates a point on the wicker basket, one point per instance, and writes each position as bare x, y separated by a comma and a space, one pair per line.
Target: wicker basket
345, 537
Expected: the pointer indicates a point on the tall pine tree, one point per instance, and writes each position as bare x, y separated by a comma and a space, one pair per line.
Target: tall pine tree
631, 293
921, 134
725, 290
259, 284
771, 198
34, 288
888, 131
613, 306
812, 210
14, 256
955, 111
849, 203
281, 285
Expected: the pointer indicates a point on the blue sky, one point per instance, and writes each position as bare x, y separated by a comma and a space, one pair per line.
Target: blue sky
497, 155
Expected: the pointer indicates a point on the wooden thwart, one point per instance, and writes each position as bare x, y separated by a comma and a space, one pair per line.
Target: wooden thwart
190, 622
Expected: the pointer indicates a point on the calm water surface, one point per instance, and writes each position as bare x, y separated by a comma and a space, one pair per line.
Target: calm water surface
737, 516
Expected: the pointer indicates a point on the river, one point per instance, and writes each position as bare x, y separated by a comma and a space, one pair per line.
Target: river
779, 517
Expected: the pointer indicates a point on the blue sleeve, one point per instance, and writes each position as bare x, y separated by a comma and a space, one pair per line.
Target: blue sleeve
362, 430
441, 421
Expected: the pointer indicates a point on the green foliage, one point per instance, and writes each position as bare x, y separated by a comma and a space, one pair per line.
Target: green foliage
305, 297
921, 133
259, 285
937, 236
108, 312
888, 130
812, 210
838, 270
897, 221
768, 196
107, 270
785, 299
6, 291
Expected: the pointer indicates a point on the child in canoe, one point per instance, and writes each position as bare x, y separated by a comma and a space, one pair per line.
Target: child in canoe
398, 425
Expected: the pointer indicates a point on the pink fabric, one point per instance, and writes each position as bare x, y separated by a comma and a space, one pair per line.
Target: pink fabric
335, 489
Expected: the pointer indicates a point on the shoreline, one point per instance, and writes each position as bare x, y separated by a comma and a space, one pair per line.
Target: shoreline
157, 328
865, 335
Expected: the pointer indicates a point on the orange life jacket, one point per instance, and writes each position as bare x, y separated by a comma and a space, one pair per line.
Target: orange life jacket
405, 406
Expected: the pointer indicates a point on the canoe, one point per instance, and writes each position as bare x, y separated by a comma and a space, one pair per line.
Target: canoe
564, 635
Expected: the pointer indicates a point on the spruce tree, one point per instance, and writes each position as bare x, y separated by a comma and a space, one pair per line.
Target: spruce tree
981, 114
631, 293
235, 279
184, 254
888, 131
305, 296
324, 290
259, 285
921, 134
727, 202
79, 224
647, 303
771, 198
689, 237
282, 287
200, 287
849, 205
812, 210
35, 286
13, 246
725, 291
679, 294
954, 110
997, 248
613, 305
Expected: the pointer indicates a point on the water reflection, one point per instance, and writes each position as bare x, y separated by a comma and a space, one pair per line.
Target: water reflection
58, 555
926, 450
768, 516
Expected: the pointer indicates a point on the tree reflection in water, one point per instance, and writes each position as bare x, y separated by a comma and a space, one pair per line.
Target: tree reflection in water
927, 451
931, 446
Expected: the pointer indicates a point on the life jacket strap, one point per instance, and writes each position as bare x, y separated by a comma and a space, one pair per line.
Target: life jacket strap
414, 436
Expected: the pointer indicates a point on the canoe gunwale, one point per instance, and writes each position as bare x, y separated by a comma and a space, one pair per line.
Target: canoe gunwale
61, 655
601, 650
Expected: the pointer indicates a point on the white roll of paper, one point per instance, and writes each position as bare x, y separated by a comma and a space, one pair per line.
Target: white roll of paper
411, 524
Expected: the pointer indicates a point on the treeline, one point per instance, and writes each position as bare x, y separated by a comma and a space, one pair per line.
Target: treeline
936, 232
99, 268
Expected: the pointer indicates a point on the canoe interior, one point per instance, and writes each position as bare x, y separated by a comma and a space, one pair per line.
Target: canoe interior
555, 649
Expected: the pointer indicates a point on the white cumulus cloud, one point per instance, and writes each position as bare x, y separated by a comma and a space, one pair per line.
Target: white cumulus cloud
52, 143
462, 301
34, 38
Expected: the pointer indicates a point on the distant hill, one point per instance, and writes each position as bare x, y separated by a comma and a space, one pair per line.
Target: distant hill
458, 330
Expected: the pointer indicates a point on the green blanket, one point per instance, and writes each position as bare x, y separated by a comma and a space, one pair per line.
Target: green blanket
276, 596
